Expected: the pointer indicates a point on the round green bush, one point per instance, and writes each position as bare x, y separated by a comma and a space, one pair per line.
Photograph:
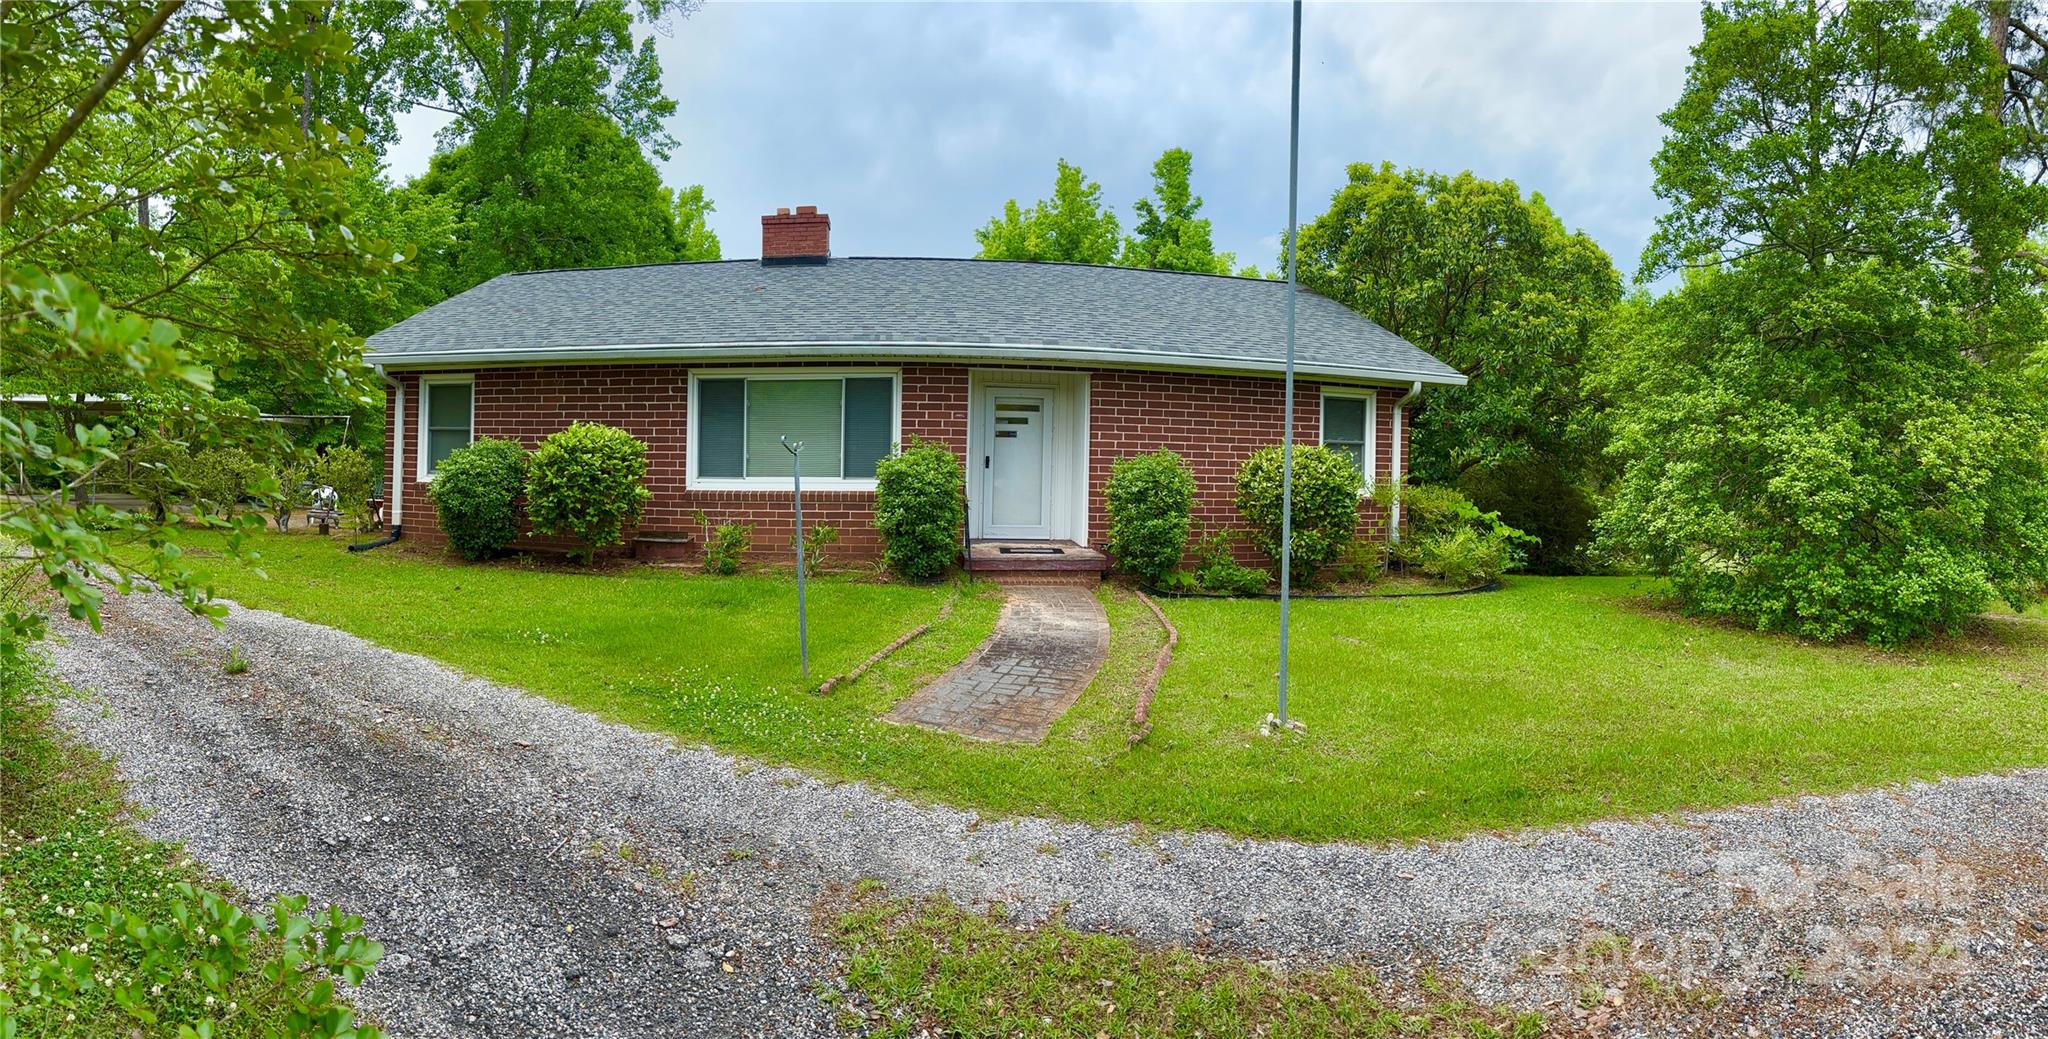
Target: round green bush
220, 477
1326, 486
1150, 498
920, 506
587, 481
476, 493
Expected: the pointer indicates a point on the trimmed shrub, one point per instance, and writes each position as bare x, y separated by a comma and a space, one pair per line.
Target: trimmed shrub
1326, 486
476, 493
1150, 498
291, 492
920, 506
587, 481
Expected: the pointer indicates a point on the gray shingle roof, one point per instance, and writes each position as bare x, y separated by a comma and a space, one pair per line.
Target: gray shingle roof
856, 306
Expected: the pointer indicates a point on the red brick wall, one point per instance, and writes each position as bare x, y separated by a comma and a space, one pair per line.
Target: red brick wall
651, 401
1214, 421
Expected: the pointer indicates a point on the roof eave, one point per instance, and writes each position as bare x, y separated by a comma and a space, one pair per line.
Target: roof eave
400, 360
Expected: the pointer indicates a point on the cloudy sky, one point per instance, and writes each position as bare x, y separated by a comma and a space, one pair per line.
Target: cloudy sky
911, 123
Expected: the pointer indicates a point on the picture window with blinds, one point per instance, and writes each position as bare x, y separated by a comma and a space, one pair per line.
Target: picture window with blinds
846, 424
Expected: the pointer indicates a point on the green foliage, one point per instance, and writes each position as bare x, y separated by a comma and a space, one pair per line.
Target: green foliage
1827, 462
726, 547
476, 494
1217, 569
1542, 499
108, 111
1073, 226
348, 470
1326, 488
1450, 538
1170, 237
932, 965
920, 507
587, 481
1150, 498
817, 537
692, 211
1465, 556
103, 932
1488, 281
220, 477
1361, 562
290, 490
1826, 430
558, 188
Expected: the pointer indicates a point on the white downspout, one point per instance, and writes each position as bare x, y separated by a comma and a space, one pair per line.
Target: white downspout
1399, 478
397, 435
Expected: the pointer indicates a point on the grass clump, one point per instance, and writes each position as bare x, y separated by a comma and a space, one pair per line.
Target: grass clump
104, 932
930, 966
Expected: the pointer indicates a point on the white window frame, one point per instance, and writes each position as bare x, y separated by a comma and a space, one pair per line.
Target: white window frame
1371, 397
782, 483
426, 470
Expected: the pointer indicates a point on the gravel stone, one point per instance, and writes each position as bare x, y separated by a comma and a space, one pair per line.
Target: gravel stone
477, 829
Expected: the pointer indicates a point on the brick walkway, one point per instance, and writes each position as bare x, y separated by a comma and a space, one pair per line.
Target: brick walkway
1046, 648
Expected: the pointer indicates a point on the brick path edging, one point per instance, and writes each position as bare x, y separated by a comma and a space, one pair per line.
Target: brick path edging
1141, 723
945, 610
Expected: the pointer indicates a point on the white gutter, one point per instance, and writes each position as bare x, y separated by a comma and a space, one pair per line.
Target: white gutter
870, 349
397, 435
1400, 478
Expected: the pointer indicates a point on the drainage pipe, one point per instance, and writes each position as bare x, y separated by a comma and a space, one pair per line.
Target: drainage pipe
396, 434
1400, 479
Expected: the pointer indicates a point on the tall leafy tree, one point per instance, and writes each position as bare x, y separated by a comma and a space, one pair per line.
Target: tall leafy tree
1170, 236
561, 188
484, 62
1073, 226
1819, 432
1487, 280
165, 210
692, 211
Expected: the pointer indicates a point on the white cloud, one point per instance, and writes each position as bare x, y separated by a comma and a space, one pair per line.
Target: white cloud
911, 123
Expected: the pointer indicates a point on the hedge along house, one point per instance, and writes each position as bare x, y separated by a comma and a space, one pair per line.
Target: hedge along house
1038, 375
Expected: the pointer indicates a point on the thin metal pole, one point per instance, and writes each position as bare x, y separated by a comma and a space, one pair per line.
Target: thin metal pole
1287, 421
803, 639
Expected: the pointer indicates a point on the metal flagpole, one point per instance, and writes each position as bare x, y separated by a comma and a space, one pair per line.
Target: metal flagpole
803, 640
1287, 421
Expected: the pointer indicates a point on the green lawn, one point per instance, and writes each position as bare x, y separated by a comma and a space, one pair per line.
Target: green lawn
1557, 700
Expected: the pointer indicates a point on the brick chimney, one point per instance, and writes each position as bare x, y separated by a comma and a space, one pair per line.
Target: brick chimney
804, 236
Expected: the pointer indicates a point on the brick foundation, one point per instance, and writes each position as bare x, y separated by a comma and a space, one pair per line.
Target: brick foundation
1214, 421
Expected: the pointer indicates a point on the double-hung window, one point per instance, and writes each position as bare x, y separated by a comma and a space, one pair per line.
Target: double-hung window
1347, 426
447, 419
845, 422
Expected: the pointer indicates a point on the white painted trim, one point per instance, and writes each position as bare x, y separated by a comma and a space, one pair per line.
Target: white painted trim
426, 400
1068, 444
1371, 397
1027, 353
693, 482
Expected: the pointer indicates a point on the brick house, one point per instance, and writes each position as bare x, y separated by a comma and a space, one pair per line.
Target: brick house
1038, 375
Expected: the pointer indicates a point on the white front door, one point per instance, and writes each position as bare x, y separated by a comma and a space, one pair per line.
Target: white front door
1017, 457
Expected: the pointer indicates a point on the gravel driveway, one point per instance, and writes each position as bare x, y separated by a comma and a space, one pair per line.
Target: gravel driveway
478, 829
